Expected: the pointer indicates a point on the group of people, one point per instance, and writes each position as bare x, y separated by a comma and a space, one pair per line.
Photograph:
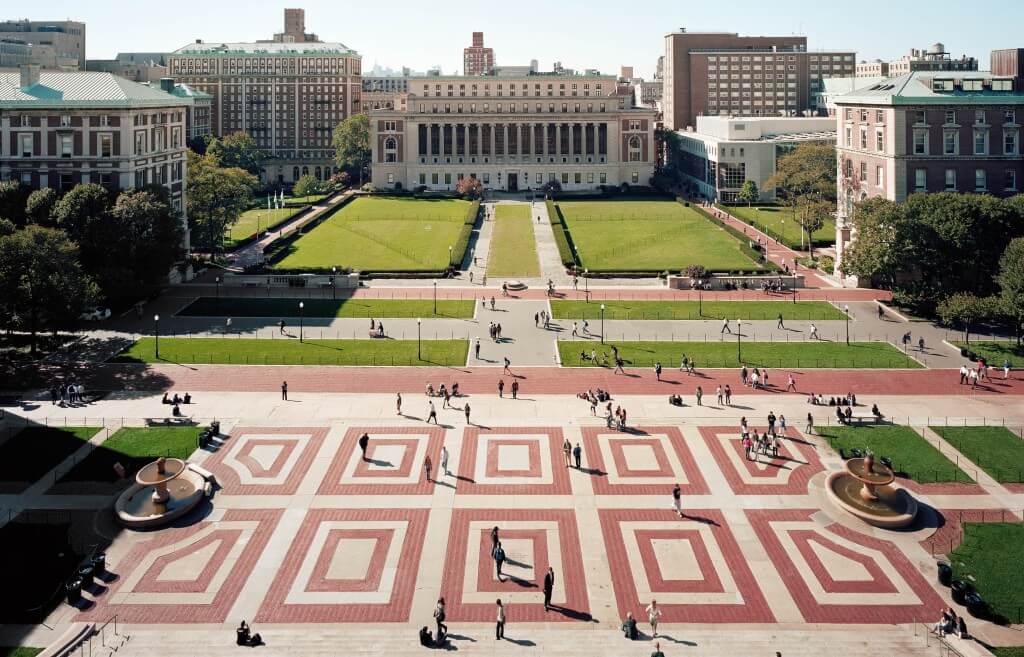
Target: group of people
495, 331
765, 443
442, 391
773, 286
67, 395
756, 378
376, 328
818, 400
616, 419
572, 454
176, 402
632, 632
950, 623
542, 317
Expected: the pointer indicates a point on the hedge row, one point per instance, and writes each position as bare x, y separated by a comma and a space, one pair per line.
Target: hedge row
278, 249
562, 238
744, 240
796, 245
462, 243
299, 211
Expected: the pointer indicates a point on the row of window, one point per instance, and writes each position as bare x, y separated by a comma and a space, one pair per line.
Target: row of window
980, 142
566, 178
779, 58
950, 180
472, 108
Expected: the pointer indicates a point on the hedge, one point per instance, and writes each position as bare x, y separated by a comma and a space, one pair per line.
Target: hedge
562, 239
744, 240
279, 247
462, 243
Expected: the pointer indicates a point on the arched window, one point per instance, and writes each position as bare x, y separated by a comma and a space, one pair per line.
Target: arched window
635, 150
295, 173
316, 172
305, 171
390, 149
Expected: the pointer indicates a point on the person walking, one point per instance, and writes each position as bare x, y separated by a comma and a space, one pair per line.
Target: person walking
515, 388
782, 424
814, 332
280, 325
398, 403
1006, 369
653, 614
498, 554
743, 375
677, 500
439, 617
284, 390
718, 395
466, 409
494, 537
577, 455
699, 394
476, 347
501, 387
618, 366
780, 324
432, 414
444, 461
657, 370
725, 326
567, 452
499, 627
536, 320
427, 466
364, 441
809, 429
791, 384
575, 332
507, 364
549, 586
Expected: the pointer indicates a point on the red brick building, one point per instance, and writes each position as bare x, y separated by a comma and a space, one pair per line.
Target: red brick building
477, 60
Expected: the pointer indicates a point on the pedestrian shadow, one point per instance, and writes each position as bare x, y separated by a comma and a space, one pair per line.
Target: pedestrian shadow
517, 564
468, 480
573, 614
460, 637
701, 519
671, 382
671, 639
521, 642
594, 472
411, 417
439, 482
380, 464
634, 431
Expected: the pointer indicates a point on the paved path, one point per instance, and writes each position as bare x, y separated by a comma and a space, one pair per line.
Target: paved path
551, 266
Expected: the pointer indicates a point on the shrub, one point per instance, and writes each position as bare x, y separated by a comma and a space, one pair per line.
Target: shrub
462, 242
306, 186
696, 271
565, 251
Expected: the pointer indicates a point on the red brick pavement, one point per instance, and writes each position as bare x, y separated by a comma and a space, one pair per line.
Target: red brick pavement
691, 480
794, 454
374, 482
231, 483
471, 441
533, 380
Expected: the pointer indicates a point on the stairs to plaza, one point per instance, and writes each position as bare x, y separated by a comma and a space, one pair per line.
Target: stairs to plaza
571, 640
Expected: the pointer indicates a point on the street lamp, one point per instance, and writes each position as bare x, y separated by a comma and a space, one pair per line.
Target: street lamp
586, 284
334, 282
156, 333
217, 280
435, 297
602, 323
739, 343
419, 333
846, 309
700, 299
302, 315
450, 263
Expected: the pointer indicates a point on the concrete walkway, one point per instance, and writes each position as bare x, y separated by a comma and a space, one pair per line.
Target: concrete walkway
551, 266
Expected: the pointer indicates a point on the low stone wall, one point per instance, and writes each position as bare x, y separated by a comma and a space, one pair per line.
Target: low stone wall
722, 281
341, 281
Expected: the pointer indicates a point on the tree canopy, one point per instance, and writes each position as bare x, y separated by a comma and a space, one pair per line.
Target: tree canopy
237, 150
1011, 284
217, 196
749, 193
306, 186
352, 144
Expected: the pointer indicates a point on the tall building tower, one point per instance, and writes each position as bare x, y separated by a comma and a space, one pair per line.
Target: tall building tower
295, 28
477, 60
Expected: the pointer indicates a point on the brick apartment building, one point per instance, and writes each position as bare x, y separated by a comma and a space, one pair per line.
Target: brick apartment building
289, 94
929, 131
514, 133
934, 58
476, 59
725, 74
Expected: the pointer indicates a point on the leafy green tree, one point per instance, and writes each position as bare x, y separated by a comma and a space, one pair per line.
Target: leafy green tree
811, 214
470, 187
749, 193
808, 171
217, 196
40, 204
352, 145
966, 310
82, 211
12, 201
150, 237
306, 186
1011, 284
42, 284
237, 150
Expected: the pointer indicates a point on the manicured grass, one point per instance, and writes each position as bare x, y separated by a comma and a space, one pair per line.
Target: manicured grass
254, 307
653, 235
992, 553
134, 447
912, 456
817, 310
513, 251
304, 200
20, 651
1012, 651
755, 354
286, 351
382, 234
32, 452
996, 352
777, 221
262, 218
996, 450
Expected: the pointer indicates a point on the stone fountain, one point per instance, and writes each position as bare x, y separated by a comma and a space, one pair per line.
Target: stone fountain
864, 489
163, 490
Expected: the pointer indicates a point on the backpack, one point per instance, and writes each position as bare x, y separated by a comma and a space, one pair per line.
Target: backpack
499, 554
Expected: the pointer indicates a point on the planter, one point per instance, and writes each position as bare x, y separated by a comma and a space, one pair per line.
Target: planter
945, 574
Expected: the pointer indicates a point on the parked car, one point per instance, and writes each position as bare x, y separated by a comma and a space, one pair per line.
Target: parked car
95, 314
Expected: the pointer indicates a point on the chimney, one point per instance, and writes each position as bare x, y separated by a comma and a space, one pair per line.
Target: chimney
199, 41
167, 85
29, 75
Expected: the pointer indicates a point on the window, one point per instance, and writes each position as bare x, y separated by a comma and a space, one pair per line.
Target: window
390, 150
602, 178
423, 179
920, 180
1009, 116
879, 116
1002, 85
67, 145
879, 176
391, 179
635, 149
25, 145
949, 140
879, 140
65, 121
104, 121
849, 136
863, 171
590, 177
979, 116
390, 126
1010, 180
980, 142
863, 138
27, 122
140, 142
447, 178
565, 177
577, 177
950, 180
487, 178
919, 116
920, 141
106, 145
979, 180
1009, 142
634, 125
540, 178
635, 178
950, 117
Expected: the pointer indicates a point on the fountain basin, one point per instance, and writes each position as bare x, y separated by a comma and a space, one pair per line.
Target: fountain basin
145, 505
515, 285
891, 508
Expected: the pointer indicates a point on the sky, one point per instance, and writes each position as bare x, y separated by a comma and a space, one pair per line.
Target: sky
581, 34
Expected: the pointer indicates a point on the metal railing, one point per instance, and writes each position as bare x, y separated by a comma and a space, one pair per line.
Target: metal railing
943, 647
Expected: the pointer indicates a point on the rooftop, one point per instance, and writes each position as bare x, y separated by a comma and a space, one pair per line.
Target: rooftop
917, 88
81, 89
266, 48
762, 129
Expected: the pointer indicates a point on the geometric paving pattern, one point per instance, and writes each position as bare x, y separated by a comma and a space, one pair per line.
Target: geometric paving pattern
348, 565
785, 474
187, 575
265, 460
393, 464
513, 461
692, 567
837, 575
644, 461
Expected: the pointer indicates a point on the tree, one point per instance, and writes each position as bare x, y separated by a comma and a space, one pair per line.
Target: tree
237, 150
550, 187
306, 186
340, 180
40, 204
150, 237
749, 193
12, 201
199, 144
81, 211
352, 145
217, 196
809, 170
966, 310
470, 187
41, 280
810, 214
1011, 284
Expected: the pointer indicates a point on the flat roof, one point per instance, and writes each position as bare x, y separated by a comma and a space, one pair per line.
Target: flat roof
220, 48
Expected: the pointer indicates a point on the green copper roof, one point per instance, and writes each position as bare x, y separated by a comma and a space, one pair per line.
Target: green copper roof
81, 89
916, 89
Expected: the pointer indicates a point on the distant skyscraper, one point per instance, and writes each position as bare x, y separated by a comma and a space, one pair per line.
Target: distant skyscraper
295, 28
477, 60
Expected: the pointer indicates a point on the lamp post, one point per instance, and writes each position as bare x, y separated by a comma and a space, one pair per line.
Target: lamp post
586, 284
435, 297
846, 309
334, 282
156, 333
739, 343
700, 300
602, 323
450, 263
217, 281
302, 315
419, 332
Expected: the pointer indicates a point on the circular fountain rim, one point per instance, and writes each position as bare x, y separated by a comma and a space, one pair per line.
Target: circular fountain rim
899, 521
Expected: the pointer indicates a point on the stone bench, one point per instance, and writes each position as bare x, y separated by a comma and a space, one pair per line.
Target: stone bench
184, 420
864, 418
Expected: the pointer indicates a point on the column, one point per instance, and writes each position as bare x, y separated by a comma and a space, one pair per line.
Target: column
558, 139
430, 139
465, 140
504, 146
528, 142
545, 143
572, 141
492, 141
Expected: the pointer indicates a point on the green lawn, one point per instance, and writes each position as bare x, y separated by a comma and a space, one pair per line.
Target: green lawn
778, 222
1013, 651
653, 235
817, 310
20, 651
996, 450
382, 234
254, 307
32, 452
304, 200
912, 456
266, 219
134, 447
513, 250
996, 352
991, 553
755, 354
289, 351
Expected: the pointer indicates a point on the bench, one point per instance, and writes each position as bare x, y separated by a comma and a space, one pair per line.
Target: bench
252, 284
864, 418
183, 421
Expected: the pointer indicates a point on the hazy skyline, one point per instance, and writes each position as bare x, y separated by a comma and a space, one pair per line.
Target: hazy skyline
597, 34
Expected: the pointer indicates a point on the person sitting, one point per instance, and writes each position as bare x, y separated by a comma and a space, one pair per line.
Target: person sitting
840, 416
945, 622
853, 399
380, 329
430, 390
455, 389
442, 391
811, 399
373, 325
426, 639
242, 636
165, 400
176, 410
176, 399
848, 414
831, 401
877, 413
961, 628
629, 628
187, 399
